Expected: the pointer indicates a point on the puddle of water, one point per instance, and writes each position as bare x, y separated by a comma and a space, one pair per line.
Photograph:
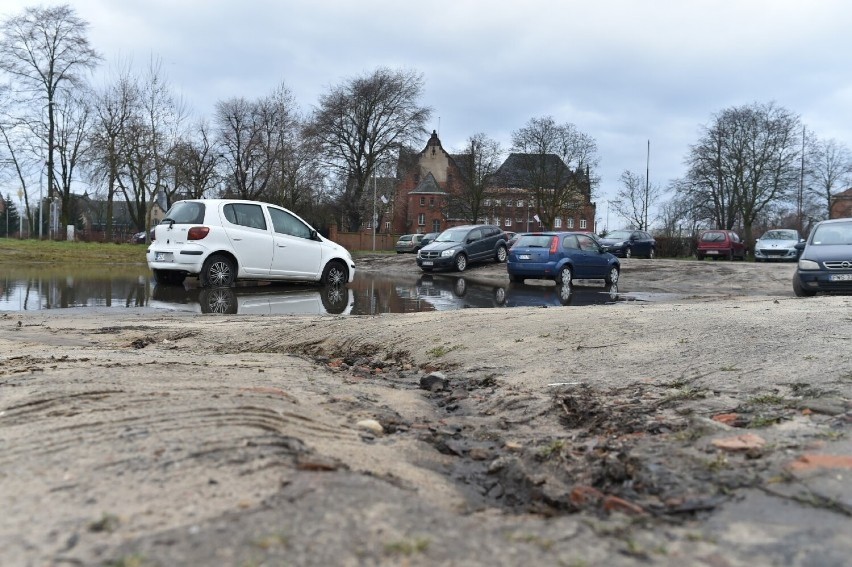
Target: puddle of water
33, 288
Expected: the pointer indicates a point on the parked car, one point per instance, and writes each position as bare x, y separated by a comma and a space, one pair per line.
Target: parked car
220, 241
825, 264
409, 243
720, 244
457, 247
561, 256
512, 239
629, 243
777, 244
428, 238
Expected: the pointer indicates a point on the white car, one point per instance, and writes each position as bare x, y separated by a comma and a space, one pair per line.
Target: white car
777, 244
220, 241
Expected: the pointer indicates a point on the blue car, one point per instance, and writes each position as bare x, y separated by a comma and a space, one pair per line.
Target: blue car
561, 256
825, 264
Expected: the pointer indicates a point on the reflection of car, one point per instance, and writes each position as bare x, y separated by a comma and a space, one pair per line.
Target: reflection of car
449, 292
220, 241
561, 256
428, 238
720, 244
139, 237
459, 246
409, 243
825, 264
560, 294
274, 299
778, 244
629, 243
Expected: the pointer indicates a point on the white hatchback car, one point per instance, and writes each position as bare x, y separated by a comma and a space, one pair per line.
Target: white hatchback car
220, 241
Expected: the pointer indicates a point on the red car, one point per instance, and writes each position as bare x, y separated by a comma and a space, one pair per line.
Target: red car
720, 244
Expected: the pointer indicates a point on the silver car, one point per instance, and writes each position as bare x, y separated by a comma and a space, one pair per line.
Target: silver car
777, 244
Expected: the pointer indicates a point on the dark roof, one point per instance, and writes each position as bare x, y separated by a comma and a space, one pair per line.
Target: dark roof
518, 169
428, 185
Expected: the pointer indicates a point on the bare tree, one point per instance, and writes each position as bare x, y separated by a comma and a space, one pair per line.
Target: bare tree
635, 198
44, 50
362, 122
546, 152
73, 120
194, 162
479, 161
747, 159
830, 169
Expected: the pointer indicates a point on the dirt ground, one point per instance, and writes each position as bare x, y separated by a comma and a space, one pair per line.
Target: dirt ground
710, 428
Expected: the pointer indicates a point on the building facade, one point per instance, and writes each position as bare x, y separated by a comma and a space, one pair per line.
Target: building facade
841, 205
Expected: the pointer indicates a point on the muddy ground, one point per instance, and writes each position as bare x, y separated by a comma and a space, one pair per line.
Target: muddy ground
708, 429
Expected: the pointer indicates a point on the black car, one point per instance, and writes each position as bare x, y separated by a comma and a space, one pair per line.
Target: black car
457, 247
428, 238
825, 264
629, 243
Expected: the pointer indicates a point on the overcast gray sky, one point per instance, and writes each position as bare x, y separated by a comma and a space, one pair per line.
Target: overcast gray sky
623, 71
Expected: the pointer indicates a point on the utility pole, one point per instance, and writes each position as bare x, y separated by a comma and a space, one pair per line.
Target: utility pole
647, 188
801, 196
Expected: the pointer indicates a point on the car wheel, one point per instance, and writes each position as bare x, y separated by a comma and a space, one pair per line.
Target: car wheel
799, 290
461, 263
334, 274
516, 279
460, 287
564, 275
219, 300
501, 254
628, 253
612, 278
218, 271
652, 254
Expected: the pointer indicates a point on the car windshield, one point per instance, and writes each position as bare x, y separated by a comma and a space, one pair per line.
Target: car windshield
713, 236
780, 235
406, 237
832, 234
451, 236
619, 235
533, 241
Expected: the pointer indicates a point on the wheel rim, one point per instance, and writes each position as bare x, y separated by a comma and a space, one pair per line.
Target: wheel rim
501, 254
220, 301
461, 262
335, 276
613, 275
565, 275
653, 253
220, 273
628, 253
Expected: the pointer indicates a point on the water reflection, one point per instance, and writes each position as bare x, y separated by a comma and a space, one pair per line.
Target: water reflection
37, 288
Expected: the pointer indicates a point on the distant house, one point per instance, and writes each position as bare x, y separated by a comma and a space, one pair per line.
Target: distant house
423, 200
91, 215
841, 205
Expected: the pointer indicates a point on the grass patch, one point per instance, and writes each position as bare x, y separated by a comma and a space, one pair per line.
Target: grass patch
442, 350
407, 547
14, 251
768, 399
553, 448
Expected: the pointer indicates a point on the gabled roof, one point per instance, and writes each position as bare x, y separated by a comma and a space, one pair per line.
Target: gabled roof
429, 185
515, 171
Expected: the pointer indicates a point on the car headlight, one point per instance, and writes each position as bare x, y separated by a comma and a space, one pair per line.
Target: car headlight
448, 253
808, 265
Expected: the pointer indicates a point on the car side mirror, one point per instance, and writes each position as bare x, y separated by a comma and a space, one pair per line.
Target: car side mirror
314, 234
800, 245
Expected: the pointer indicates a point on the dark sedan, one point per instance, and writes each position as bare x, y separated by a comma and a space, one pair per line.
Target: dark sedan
629, 243
561, 256
457, 247
825, 264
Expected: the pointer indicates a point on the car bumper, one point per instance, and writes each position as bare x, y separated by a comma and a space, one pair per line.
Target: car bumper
536, 270
189, 261
615, 251
821, 281
443, 262
774, 254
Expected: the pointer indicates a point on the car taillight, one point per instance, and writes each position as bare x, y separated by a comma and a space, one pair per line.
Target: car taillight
554, 244
197, 232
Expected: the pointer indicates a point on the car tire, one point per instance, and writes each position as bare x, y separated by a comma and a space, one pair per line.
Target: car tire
628, 253
652, 254
612, 278
564, 275
799, 290
218, 271
502, 254
461, 263
334, 274
219, 300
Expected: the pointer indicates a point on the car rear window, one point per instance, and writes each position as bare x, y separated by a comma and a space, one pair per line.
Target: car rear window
533, 241
185, 212
713, 237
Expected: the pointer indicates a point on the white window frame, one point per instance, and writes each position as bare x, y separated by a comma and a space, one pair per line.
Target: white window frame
507, 221
570, 223
421, 219
582, 223
557, 222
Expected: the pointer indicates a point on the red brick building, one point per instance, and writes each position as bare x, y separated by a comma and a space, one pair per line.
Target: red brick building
422, 201
841, 205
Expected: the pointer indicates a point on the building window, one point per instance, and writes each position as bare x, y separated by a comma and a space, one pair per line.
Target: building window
422, 201
387, 226
520, 202
487, 202
570, 223
431, 201
509, 203
421, 219
496, 202
583, 223
436, 226
508, 222
369, 225
557, 223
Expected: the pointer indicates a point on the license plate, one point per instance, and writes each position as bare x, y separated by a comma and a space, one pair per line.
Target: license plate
163, 257
712, 251
840, 277
427, 262
523, 256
